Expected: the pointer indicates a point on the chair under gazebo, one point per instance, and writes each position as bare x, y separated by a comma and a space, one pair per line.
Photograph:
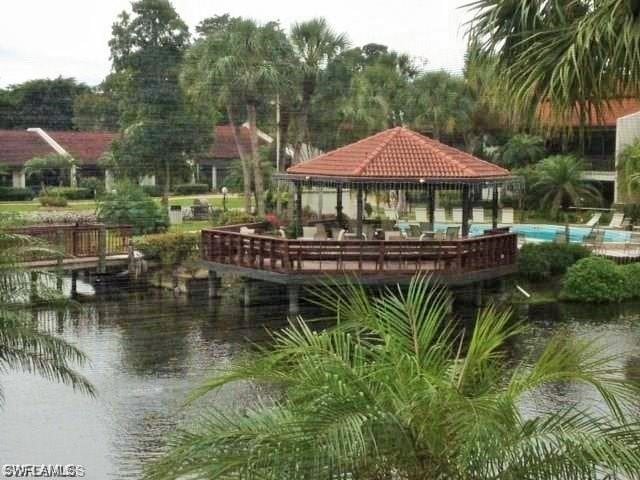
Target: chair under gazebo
401, 160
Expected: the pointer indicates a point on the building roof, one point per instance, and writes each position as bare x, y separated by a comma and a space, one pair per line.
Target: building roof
224, 145
607, 117
19, 146
399, 154
85, 147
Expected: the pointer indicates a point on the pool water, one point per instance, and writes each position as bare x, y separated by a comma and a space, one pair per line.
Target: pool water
546, 233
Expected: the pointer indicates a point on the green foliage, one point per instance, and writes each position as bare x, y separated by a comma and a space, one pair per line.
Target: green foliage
170, 248
231, 217
629, 169
96, 111
71, 193
52, 201
538, 262
596, 279
522, 150
94, 184
43, 103
396, 388
129, 205
632, 212
53, 163
152, 190
191, 189
14, 194
559, 184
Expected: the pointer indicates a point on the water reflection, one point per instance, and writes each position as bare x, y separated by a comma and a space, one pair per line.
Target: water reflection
150, 349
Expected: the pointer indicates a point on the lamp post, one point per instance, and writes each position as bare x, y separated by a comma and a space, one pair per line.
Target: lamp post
225, 191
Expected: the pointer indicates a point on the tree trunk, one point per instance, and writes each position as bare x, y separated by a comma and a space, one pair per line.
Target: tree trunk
284, 139
258, 181
167, 183
244, 161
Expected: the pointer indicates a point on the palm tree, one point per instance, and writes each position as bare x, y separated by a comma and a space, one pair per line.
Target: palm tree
521, 150
23, 346
315, 44
560, 184
577, 55
629, 169
398, 390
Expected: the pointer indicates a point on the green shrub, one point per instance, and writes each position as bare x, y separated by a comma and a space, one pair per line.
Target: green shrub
631, 274
52, 201
170, 248
130, 205
70, 193
191, 189
595, 279
12, 194
152, 190
231, 217
94, 184
538, 262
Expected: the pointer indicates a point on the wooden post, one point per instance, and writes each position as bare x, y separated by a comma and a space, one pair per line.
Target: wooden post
298, 201
61, 246
74, 283
432, 209
359, 213
494, 208
465, 210
293, 291
339, 217
102, 249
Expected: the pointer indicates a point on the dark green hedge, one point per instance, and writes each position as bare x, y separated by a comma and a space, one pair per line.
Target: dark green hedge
12, 194
71, 193
538, 262
152, 190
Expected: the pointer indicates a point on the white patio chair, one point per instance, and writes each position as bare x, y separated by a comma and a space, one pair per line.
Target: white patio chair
478, 215
593, 221
421, 215
457, 215
439, 215
507, 216
247, 231
616, 220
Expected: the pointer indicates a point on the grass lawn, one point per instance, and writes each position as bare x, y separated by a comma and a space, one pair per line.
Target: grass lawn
233, 201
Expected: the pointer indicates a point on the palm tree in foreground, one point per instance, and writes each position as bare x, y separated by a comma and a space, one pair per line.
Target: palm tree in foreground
23, 346
396, 391
560, 183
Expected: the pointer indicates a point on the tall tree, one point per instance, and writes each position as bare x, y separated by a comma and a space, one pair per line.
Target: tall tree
315, 44
397, 390
160, 131
577, 55
241, 60
99, 109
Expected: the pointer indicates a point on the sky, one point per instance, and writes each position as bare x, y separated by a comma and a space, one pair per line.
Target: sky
69, 38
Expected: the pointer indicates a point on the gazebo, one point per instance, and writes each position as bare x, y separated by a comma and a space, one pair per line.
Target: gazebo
400, 159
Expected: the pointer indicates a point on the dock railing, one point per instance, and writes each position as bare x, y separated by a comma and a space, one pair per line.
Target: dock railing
361, 257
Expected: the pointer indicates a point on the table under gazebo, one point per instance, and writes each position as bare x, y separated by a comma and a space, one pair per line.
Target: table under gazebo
398, 160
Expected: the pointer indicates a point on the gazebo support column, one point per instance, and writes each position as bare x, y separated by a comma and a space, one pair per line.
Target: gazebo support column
432, 209
494, 207
339, 217
298, 210
465, 210
359, 212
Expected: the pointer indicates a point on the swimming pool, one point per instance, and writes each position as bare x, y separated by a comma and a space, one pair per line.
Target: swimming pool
546, 233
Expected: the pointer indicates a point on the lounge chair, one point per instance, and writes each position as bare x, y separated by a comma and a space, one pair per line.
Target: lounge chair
453, 233
393, 235
594, 220
321, 232
439, 215
341, 234
282, 233
247, 231
616, 220
507, 216
421, 215
478, 215
428, 236
457, 215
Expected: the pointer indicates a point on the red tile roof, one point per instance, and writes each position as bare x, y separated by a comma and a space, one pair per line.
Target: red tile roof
399, 153
85, 147
19, 146
607, 117
224, 145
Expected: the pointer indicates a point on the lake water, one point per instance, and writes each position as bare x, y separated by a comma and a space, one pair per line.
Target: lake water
149, 350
